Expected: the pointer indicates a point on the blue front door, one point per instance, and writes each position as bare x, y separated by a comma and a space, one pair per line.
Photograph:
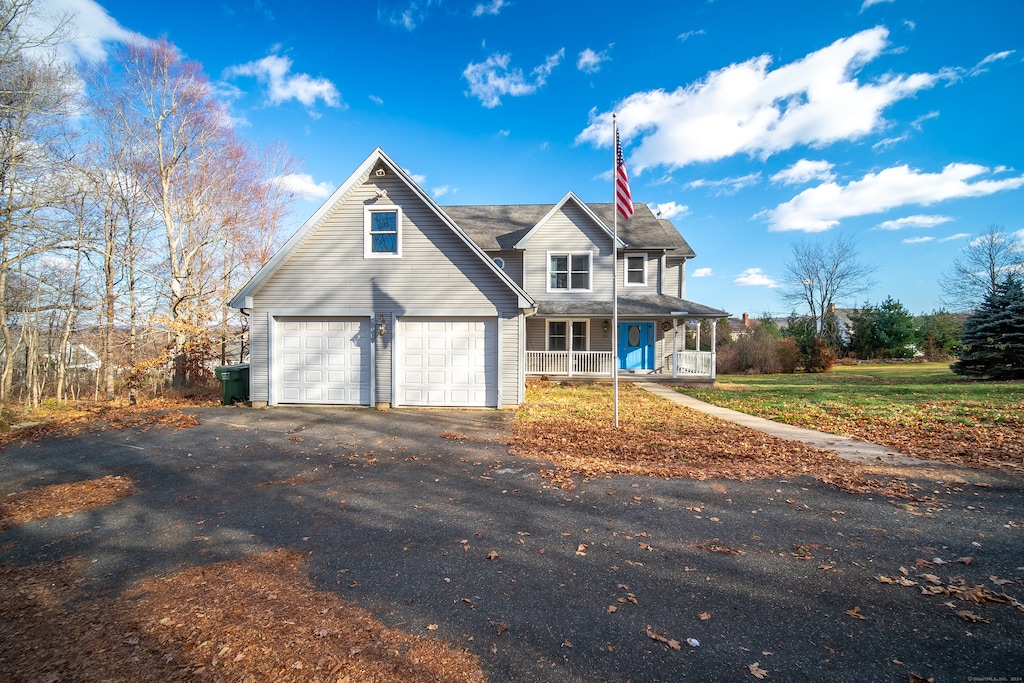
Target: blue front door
636, 346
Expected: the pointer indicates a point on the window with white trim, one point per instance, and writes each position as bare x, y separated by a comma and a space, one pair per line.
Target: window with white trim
636, 270
562, 333
382, 227
569, 271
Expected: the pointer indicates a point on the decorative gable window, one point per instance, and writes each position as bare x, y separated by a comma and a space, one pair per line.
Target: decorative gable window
382, 227
569, 271
636, 270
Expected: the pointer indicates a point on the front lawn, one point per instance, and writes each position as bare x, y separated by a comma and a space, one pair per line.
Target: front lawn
571, 425
921, 409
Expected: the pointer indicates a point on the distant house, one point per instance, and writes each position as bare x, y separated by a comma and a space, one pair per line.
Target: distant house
383, 297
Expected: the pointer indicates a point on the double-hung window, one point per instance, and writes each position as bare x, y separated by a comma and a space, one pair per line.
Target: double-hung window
636, 270
567, 335
382, 227
569, 272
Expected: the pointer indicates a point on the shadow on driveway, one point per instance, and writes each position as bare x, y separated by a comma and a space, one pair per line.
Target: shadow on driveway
401, 520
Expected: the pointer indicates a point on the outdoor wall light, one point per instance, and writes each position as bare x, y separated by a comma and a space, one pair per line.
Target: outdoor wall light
381, 327
607, 326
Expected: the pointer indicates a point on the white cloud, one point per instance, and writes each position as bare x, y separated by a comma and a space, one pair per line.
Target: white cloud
418, 178
820, 208
686, 35
275, 72
726, 187
590, 61
918, 221
408, 15
918, 240
869, 3
671, 210
885, 143
504, 133
92, 28
748, 109
957, 236
754, 277
702, 272
916, 123
376, 99
303, 186
803, 172
441, 191
491, 79
979, 68
494, 8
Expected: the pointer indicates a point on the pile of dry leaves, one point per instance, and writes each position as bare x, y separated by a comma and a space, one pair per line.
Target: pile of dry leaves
255, 619
572, 426
163, 413
62, 499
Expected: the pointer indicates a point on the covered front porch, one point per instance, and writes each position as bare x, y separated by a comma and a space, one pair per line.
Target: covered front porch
668, 346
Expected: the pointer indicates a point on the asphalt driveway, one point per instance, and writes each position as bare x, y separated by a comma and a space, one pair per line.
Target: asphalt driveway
399, 512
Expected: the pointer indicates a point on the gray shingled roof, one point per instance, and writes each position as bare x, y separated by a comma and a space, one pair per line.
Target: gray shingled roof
499, 227
653, 305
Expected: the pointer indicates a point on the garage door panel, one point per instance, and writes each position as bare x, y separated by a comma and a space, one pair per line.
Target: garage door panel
448, 362
324, 361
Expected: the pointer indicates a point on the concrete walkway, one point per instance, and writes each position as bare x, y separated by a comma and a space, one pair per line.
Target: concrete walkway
843, 446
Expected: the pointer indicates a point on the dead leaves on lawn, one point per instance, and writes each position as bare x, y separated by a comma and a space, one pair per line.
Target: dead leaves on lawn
255, 619
571, 426
153, 414
62, 499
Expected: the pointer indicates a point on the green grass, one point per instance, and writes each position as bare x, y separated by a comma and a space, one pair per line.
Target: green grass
891, 393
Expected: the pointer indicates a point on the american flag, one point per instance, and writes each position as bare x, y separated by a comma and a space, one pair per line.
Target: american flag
623, 200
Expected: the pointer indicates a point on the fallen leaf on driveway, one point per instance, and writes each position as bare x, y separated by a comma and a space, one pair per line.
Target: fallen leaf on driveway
855, 613
971, 617
672, 643
493, 555
756, 671
704, 616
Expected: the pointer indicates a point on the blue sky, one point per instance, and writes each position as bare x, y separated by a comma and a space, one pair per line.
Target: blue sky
752, 125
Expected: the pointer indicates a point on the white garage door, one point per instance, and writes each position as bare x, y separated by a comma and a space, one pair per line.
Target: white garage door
448, 362
324, 360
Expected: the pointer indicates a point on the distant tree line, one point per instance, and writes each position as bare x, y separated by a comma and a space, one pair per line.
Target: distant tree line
987, 341
130, 210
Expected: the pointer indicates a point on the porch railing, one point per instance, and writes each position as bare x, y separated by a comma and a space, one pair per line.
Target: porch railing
691, 363
569, 363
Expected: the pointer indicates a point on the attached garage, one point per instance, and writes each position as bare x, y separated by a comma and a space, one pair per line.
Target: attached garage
323, 360
447, 362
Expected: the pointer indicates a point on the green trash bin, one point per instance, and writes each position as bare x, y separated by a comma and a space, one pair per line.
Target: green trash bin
234, 382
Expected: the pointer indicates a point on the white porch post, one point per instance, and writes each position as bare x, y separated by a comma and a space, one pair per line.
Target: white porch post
698, 337
714, 359
675, 347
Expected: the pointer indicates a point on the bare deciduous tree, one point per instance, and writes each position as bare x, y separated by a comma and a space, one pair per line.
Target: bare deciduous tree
980, 266
822, 273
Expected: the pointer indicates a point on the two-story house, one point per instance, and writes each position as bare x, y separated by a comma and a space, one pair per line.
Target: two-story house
383, 297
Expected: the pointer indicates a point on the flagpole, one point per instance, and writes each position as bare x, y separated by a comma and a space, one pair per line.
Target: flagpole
615, 269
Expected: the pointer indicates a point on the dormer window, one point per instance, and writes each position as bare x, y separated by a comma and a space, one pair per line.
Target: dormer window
569, 272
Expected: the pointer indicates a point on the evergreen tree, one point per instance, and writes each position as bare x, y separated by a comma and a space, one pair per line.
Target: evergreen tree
992, 343
886, 331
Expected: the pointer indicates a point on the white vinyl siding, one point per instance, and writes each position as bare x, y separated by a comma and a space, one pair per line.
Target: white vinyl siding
324, 276
569, 231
